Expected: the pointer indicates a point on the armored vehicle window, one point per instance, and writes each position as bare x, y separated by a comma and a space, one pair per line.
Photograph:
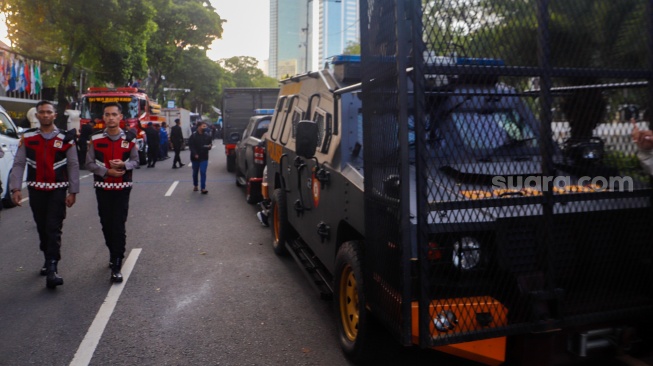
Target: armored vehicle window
296, 117
286, 130
491, 130
274, 135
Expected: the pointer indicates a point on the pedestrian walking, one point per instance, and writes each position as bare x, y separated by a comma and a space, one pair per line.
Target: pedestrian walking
177, 139
163, 143
52, 170
112, 157
152, 136
200, 143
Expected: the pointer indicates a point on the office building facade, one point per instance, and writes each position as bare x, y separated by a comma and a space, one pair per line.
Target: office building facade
290, 40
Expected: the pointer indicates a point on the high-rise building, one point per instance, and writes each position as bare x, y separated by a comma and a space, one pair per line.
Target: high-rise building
291, 33
338, 27
290, 38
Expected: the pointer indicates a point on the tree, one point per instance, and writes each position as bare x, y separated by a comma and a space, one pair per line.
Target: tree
73, 32
353, 48
181, 24
245, 72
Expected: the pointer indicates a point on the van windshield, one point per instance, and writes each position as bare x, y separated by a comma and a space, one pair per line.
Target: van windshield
487, 131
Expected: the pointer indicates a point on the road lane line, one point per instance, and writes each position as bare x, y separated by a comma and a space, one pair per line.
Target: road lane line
172, 188
86, 349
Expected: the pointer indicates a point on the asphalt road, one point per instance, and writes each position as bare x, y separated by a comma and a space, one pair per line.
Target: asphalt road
205, 289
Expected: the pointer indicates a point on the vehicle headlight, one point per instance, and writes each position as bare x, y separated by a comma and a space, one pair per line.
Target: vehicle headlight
466, 253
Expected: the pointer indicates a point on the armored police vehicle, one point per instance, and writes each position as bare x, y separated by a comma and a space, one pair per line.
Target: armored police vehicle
484, 233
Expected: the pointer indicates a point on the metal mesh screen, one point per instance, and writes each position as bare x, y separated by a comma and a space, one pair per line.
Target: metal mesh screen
503, 191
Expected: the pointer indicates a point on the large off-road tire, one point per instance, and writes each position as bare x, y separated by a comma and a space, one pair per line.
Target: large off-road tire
231, 163
281, 229
352, 318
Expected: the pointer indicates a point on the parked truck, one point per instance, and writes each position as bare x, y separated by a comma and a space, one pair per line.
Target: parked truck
238, 105
137, 109
424, 193
184, 116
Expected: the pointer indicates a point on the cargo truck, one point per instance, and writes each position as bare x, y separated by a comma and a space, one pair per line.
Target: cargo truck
238, 105
184, 116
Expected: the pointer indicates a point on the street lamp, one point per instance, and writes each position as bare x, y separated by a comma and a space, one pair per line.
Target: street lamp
308, 2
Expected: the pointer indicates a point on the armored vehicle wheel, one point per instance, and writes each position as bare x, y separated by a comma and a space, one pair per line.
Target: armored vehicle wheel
231, 163
352, 318
280, 226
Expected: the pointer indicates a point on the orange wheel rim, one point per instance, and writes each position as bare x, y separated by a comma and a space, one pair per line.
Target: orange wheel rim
349, 303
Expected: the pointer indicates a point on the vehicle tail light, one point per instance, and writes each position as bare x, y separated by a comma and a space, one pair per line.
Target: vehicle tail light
259, 155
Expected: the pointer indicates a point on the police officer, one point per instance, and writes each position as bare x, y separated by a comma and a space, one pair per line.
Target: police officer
52, 169
112, 157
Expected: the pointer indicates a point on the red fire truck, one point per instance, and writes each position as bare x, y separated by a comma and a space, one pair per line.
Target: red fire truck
137, 108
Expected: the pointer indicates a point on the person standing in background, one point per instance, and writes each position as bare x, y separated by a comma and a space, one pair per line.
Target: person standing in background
52, 170
200, 143
112, 157
152, 136
163, 143
177, 139
82, 143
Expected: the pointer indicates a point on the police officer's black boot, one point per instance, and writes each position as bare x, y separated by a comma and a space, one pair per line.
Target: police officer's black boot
53, 279
116, 265
44, 269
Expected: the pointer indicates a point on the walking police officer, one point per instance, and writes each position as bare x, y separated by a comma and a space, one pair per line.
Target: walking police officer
52, 169
112, 157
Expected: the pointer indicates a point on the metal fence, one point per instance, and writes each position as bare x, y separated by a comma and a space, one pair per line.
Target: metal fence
480, 211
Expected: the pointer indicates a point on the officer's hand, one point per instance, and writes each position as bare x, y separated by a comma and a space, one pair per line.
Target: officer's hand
17, 196
117, 164
643, 139
116, 173
70, 199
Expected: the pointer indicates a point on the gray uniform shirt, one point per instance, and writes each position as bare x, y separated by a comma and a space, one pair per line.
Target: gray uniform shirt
72, 165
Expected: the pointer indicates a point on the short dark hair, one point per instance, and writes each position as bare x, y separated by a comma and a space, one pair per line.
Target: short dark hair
112, 104
44, 102
177, 121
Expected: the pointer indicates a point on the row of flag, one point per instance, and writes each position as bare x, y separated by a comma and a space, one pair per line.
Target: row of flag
19, 74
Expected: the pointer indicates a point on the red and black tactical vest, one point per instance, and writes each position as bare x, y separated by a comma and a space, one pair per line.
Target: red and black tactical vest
106, 150
46, 159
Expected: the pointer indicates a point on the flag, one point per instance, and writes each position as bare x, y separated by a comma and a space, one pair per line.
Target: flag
12, 80
21, 77
33, 78
38, 83
28, 75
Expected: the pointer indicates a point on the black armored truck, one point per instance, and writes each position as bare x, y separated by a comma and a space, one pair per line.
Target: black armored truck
426, 193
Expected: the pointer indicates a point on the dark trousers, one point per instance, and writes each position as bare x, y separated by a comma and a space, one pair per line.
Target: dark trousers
82, 150
152, 154
177, 159
113, 208
49, 210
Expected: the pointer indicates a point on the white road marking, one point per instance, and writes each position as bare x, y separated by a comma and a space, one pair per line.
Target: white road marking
86, 176
86, 349
172, 188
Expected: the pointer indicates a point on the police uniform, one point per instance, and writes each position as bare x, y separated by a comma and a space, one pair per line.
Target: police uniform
52, 169
112, 193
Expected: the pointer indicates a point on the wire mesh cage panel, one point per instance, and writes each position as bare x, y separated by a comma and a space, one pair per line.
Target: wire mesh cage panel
503, 190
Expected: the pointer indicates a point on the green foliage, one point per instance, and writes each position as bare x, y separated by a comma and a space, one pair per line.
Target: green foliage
353, 48
245, 73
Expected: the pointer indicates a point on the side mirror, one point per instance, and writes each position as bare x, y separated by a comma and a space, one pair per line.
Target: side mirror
306, 139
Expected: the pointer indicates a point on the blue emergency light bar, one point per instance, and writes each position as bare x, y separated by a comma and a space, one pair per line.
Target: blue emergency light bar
345, 59
264, 111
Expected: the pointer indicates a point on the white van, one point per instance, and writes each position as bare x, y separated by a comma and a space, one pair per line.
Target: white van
9, 144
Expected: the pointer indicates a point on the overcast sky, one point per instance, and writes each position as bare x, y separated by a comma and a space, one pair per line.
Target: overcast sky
247, 30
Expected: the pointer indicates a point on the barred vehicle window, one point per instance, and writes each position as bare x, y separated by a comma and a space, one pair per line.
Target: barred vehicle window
319, 120
274, 135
